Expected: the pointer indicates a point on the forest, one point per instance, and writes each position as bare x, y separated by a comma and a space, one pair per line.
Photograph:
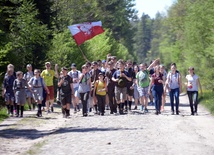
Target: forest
35, 31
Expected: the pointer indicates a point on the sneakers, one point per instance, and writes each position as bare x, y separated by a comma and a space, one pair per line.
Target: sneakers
135, 108
141, 108
48, 111
146, 110
52, 109
172, 113
177, 112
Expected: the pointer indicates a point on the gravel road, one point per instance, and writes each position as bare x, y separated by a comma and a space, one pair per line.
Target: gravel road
134, 133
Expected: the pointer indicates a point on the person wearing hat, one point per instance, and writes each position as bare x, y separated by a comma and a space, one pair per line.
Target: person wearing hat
65, 83
48, 76
75, 75
27, 76
100, 92
121, 77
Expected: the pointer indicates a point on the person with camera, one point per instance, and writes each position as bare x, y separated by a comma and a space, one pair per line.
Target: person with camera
121, 77
66, 91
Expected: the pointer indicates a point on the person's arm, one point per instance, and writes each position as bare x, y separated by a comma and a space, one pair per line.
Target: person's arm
127, 77
114, 77
60, 82
72, 89
95, 87
180, 83
153, 63
150, 84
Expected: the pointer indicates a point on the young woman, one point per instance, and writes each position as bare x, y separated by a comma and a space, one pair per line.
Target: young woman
174, 86
101, 89
19, 86
84, 89
157, 88
8, 93
27, 76
37, 84
136, 93
192, 90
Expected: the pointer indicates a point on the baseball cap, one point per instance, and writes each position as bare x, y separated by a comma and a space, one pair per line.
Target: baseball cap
73, 65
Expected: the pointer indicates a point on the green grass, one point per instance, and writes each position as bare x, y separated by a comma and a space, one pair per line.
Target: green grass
208, 101
35, 148
3, 114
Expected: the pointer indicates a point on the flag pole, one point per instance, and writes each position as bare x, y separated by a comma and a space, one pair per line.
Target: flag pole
83, 53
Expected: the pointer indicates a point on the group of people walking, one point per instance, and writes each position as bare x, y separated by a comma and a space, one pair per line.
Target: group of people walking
111, 82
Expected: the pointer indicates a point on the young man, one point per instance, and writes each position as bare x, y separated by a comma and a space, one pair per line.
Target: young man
75, 74
67, 91
110, 87
130, 86
94, 77
121, 77
143, 81
48, 76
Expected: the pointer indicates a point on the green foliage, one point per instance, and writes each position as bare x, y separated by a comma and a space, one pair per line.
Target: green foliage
208, 100
3, 114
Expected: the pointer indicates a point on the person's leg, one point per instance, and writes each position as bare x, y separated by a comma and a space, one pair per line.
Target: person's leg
103, 103
117, 98
99, 102
189, 93
17, 110
29, 102
177, 93
196, 102
146, 95
22, 110
11, 107
171, 95
111, 103
160, 93
155, 95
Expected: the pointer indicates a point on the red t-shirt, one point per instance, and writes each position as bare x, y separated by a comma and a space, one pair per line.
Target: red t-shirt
156, 78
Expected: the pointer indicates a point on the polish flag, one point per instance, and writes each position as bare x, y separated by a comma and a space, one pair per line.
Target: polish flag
85, 31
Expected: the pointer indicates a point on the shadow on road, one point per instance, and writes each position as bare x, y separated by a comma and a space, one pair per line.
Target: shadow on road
35, 134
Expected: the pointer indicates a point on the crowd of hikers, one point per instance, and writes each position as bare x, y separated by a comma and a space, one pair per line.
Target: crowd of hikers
109, 83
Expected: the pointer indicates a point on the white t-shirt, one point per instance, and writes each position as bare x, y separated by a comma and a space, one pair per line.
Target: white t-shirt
173, 80
192, 83
75, 75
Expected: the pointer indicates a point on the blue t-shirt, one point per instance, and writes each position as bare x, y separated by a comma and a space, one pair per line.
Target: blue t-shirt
122, 82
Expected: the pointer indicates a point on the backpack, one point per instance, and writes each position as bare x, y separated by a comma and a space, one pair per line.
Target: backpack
41, 80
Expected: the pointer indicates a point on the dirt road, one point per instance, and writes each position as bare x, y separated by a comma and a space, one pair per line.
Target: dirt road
134, 133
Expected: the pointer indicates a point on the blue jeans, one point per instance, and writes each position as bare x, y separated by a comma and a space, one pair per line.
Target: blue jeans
157, 91
174, 93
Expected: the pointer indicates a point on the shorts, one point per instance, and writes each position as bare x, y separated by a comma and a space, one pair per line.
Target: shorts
143, 92
51, 95
136, 93
120, 93
28, 93
38, 94
66, 99
9, 97
130, 92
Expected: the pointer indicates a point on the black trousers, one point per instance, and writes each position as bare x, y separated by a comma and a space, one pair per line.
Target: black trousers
84, 98
112, 101
193, 99
101, 103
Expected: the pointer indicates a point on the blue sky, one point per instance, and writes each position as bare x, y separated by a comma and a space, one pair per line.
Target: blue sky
151, 7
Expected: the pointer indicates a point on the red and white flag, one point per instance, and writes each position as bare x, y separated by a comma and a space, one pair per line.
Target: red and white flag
85, 31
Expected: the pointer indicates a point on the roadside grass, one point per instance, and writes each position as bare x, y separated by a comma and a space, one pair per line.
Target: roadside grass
3, 113
208, 100
35, 148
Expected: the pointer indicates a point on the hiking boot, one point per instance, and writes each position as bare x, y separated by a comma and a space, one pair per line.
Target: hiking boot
146, 110
177, 112
135, 108
172, 113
